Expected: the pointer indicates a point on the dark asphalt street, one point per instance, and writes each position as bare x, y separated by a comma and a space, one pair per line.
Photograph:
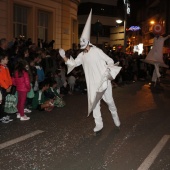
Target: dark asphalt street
63, 139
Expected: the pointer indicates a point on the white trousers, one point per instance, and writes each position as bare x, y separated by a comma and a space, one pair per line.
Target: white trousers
108, 98
156, 74
72, 86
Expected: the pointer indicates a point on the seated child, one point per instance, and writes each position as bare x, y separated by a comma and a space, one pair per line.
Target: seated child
40, 102
53, 94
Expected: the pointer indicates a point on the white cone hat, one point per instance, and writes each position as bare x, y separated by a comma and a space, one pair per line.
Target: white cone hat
85, 36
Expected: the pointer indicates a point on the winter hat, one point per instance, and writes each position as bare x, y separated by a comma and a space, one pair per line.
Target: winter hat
85, 37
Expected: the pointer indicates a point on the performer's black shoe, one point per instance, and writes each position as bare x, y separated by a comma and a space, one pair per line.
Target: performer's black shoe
97, 133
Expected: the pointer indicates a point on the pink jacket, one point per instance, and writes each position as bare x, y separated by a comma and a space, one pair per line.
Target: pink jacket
22, 83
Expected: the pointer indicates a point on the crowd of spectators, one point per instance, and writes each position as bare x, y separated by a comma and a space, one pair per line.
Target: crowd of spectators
133, 67
34, 76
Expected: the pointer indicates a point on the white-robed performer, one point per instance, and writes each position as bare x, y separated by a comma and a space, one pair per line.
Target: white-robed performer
155, 55
98, 68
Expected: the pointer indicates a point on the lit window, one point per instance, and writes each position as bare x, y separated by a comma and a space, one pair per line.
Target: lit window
20, 21
43, 25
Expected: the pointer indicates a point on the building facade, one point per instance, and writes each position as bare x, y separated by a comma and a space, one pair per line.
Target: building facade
117, 36
46, 19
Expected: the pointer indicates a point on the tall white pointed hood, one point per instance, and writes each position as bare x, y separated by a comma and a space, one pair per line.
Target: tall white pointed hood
85, 36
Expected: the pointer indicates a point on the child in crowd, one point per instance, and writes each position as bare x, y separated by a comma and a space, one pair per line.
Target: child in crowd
53, 94
40, 71
5, 85
22, 82
57, 78
32, 74
71, 81
40, 102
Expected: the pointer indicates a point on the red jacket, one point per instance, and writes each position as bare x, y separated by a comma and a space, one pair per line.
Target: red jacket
5, 78
22, 83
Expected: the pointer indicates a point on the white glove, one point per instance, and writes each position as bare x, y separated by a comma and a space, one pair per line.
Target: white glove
107, 74
65, 84
38, 67
62, 53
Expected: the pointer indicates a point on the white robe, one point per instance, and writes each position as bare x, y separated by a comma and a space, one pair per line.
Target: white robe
96, 65
155, 56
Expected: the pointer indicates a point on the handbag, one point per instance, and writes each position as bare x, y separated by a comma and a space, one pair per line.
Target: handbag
31, 94
36, 86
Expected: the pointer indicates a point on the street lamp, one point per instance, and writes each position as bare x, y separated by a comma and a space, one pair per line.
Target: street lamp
119, 21
98, 27
127, 11
152, 22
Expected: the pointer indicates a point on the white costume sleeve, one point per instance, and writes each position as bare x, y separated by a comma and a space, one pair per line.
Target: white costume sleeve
71, 63
110, 73
105, 57
165, 38
112, 69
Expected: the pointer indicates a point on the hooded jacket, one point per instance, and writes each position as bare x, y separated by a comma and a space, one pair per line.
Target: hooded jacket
22, 83
5, 78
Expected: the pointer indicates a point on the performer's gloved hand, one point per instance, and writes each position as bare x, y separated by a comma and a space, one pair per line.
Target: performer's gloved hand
62, 53
65, 84
107, 73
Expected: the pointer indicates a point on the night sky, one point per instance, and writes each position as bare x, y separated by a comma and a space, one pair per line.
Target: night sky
135, 6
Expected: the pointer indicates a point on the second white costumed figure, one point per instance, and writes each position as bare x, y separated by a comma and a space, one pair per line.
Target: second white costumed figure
99, 69
155, 55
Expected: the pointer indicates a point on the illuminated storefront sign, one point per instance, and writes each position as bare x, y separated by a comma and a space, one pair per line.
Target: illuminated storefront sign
126, 2
134, 28
138, 48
